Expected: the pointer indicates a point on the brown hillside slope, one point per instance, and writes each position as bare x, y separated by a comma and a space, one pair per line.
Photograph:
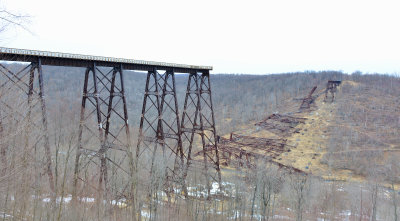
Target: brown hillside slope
352, 138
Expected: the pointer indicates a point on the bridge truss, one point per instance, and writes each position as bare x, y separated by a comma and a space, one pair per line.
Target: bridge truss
106, 163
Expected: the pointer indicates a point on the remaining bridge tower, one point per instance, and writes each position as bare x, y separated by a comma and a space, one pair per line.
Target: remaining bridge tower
331, 88
198, 121
23, 110
165, 145
159, 141
103, 136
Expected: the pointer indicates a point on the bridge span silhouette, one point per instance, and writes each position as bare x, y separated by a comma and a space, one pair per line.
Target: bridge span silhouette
105, 159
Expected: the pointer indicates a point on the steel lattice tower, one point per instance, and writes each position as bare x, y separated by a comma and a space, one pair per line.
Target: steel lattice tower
23, 105
103, 138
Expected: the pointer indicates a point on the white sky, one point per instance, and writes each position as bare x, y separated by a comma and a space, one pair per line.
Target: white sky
254, 37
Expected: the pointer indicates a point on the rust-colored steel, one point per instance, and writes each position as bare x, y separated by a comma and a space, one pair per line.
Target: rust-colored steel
241, 148
77, 60
307, 101
198, 120
165, 143
280, 124
103, 138
102, 146
159, 140
245, 151
20, 94
331, 88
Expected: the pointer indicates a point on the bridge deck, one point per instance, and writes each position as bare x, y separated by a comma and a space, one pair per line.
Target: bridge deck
77, 60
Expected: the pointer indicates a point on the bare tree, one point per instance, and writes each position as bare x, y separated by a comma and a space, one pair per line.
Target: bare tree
10, 20
300, 185
393, 168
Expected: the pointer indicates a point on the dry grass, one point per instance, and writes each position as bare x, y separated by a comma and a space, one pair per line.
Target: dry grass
311, 144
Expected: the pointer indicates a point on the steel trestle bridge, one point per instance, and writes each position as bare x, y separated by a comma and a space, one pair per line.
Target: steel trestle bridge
105, 160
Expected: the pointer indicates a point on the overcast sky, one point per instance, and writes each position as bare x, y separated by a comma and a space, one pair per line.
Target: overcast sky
254, 37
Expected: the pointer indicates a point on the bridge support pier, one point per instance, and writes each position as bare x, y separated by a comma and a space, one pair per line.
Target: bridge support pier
20, 93
162, 134
103, 136
159, 141
198, 120
331, 88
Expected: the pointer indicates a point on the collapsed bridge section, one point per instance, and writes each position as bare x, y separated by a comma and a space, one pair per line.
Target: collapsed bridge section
240, 151
281, 124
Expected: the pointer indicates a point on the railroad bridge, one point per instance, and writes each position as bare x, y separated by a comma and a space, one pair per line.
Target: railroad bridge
105, 160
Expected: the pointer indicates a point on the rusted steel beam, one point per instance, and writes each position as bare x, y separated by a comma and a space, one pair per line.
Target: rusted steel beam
307, 101
245, 151
254, 146
44, 123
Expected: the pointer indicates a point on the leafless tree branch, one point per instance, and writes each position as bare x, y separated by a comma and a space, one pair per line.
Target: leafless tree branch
9, 19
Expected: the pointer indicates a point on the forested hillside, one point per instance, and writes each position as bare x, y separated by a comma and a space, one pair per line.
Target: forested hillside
236, 98
336, 160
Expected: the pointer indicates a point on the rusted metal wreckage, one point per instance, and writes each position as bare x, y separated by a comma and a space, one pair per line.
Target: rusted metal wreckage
307, 101
280, 124
242, 147
242, 151
104, 159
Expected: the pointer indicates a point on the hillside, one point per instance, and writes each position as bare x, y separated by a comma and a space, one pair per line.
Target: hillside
333, 160
350, 139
